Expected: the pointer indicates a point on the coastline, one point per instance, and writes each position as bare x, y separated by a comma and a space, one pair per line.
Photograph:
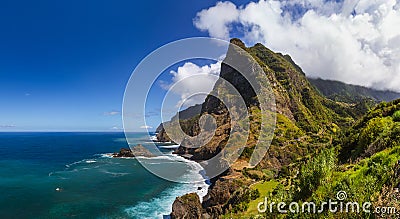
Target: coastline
168, 197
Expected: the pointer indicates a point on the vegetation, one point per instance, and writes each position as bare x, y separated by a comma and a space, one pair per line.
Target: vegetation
346, 142
342, 92
350, 146
396, 116
365, 177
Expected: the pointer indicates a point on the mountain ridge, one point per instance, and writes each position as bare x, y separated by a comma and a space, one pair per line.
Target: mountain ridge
312, 134
340, 91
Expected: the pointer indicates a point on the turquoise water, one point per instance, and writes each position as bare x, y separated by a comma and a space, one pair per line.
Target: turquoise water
90, 184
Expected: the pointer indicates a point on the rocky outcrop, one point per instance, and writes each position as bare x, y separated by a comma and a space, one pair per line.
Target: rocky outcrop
187, 207
136, 151
161, 134
216, 202
187, 119
301, 107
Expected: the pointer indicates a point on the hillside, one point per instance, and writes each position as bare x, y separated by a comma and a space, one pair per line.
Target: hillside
348, 93
314, 148
185, 116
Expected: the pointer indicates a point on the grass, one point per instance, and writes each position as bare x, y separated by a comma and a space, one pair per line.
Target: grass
264, 188
364, 181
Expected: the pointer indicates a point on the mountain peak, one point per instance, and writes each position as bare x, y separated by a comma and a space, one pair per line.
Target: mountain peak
238, 42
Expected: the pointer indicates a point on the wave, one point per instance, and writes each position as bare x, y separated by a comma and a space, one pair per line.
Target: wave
175, 146
162, 205
158, 206
115, 174
106, 155
84, 161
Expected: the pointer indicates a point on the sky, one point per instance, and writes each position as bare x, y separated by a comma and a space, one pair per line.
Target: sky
354, 41
64, 65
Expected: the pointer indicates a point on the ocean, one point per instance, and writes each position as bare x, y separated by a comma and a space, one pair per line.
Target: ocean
69, 175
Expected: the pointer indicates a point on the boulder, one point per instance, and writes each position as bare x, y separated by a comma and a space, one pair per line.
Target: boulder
187, 207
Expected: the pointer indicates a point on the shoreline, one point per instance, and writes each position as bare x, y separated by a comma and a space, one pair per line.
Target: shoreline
200, 185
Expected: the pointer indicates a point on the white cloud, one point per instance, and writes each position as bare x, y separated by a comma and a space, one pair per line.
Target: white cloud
146, 127
217, 19
8, 126
112, 113
185, 85
356, 42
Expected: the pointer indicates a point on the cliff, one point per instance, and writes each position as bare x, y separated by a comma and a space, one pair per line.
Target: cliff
187, 206
185, 118
309, 132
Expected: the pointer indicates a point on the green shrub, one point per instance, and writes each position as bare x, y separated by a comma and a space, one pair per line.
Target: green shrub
396, 116
315, 172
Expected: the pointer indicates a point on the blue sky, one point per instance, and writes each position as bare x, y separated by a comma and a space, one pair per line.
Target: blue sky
64, 64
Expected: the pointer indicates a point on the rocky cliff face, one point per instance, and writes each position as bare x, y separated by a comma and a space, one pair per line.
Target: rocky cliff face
188, 122
187, 207
305, 120
296, 100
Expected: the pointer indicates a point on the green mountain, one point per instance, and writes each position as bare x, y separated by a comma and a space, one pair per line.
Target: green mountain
339, 91
320, 146
185, 117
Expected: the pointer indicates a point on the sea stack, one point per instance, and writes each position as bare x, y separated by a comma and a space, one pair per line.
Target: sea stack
136, 151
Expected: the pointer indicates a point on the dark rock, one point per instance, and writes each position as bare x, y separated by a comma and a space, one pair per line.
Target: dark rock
136, 151
187, 207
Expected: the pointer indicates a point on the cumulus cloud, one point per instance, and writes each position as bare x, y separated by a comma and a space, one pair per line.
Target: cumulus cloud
185, 85
217, 19
146, 127
356, 42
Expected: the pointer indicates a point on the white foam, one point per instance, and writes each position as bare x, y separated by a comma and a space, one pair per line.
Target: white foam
175, 146
115, 174
162, 205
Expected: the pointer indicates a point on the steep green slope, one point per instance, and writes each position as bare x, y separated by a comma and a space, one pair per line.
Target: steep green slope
318, 148
364, 162
306, 123
348, 93
188, 120
377, 130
